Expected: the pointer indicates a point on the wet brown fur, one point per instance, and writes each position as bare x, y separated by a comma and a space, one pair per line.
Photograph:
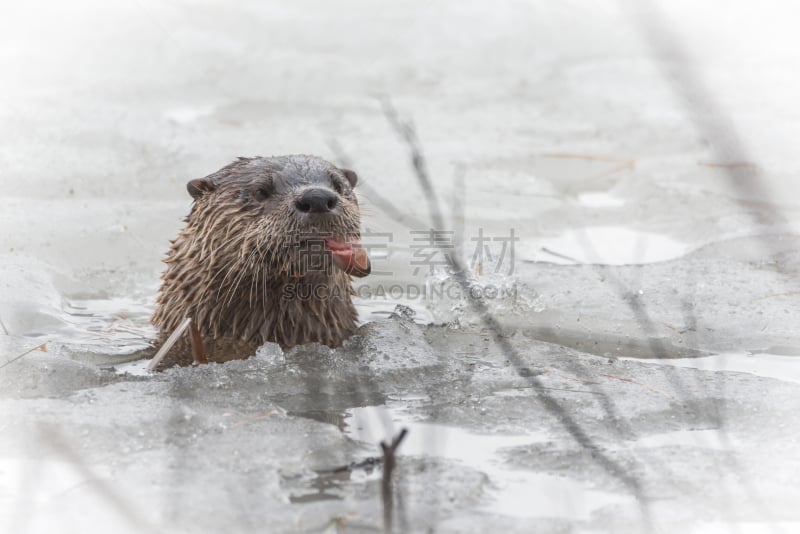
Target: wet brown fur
238, 268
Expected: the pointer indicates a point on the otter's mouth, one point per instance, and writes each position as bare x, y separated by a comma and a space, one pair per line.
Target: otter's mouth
349, 256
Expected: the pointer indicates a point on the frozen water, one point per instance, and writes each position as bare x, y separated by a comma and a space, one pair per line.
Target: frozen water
600, 200
517, 493
649, 299
777, 366
609, 245
257, 432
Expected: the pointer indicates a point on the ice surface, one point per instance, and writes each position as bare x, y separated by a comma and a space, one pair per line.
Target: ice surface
610, 245
649, 306
258, 434
516, 493
778, 366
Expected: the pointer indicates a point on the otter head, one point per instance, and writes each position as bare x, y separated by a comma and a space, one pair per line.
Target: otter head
267, 254
296, 216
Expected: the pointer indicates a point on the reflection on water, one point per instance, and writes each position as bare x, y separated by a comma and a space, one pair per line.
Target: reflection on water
118, 324
515, 492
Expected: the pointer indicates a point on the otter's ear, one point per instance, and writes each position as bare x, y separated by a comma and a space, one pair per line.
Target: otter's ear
199, 186
351, 176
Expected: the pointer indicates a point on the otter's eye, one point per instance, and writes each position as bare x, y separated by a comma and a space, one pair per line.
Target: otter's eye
262, 193
338, 186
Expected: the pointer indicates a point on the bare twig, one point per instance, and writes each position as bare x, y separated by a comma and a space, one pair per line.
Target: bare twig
386, 484
559, 255
3, 326
727, 165
567, 377
367, 463
590, 392
407, 132
457, 211
621, 163
716, 126
42, 347
259, 417
628, 163
774, 295
386, 207
171, 340
651, 388
710, 119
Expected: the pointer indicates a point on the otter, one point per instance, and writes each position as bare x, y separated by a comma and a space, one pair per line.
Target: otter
267, 254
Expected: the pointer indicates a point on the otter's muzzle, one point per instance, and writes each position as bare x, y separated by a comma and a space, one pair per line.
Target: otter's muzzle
317, 200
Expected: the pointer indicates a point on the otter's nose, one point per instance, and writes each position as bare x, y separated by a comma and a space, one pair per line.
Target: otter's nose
316, 200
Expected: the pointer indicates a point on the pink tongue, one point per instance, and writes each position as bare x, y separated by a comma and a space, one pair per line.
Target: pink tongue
349, 256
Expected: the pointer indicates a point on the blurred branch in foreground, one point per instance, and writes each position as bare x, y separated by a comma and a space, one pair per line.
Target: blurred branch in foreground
407, 132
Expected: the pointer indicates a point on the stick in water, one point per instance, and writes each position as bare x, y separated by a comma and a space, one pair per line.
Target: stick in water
169, 343
386, 486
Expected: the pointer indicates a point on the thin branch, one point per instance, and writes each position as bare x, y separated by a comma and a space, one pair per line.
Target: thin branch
367, 463
371, 194
651, 388
407, 132
489, 321
42, 347
628, 163
559, 255
727, 165
717, 127
386, 484
705, 112
259, 417
171, 340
